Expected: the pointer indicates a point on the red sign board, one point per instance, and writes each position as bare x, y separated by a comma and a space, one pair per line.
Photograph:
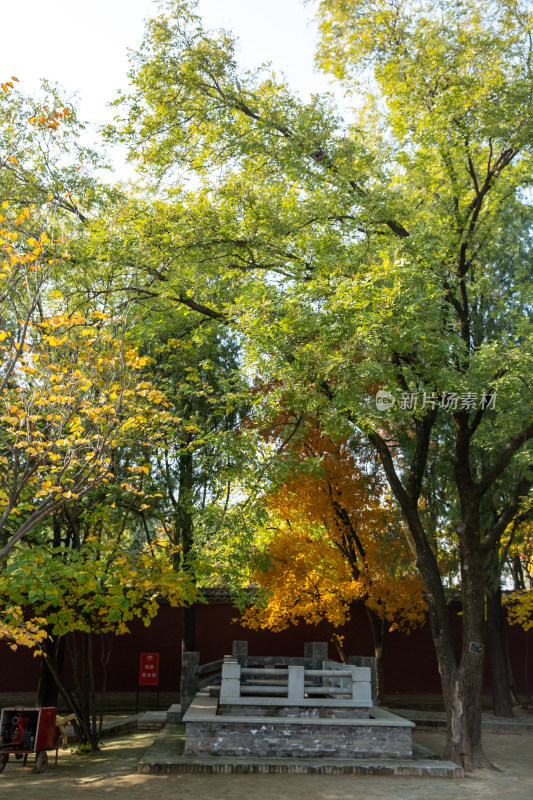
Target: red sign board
149, 669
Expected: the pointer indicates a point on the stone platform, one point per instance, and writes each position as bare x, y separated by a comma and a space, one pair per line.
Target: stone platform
164, 757
380, 735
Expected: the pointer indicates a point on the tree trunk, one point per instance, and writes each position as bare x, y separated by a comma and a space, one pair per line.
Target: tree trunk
188, 630
184, 537
526, 668
334, 637
54, 648
85, 698
461, 679
518, 574
462, 694
380, 629
79, 723
502, 705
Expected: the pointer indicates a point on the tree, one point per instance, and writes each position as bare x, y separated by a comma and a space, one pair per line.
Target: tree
195, 363
67, 381
336, 541
91, 592
518, 604
198, 372
74, 399
392, 254
302, 576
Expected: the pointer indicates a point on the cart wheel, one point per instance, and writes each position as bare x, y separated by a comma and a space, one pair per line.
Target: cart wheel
4, 758
41, 761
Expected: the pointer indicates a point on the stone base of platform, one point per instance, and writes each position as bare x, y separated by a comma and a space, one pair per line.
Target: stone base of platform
162, 758
380, 735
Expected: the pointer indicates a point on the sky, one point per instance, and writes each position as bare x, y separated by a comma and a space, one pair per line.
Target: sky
83, 46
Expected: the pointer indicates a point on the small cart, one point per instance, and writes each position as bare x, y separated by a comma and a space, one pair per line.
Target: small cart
28, 730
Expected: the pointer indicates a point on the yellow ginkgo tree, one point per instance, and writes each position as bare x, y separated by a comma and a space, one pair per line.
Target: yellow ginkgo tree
75, 397
71, 389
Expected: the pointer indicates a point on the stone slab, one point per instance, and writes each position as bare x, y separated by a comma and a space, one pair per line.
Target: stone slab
301, 702
238, 709
174, 713
204, 707
152, 720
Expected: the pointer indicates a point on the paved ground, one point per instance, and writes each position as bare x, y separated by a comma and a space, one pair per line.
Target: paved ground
522, 722
112, 773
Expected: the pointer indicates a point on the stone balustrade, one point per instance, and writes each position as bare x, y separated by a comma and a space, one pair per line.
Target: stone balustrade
295, 686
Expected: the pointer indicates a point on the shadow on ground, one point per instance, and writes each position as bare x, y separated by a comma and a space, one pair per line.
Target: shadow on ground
112, 773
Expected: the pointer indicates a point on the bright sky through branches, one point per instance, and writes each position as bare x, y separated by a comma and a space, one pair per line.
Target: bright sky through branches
83, 46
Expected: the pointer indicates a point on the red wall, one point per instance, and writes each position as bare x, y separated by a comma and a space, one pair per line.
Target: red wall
411, 666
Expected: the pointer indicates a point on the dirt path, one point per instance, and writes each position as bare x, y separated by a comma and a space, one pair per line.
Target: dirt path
111, 773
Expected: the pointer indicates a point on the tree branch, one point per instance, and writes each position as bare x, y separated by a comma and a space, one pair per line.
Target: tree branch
493, 536
512, 447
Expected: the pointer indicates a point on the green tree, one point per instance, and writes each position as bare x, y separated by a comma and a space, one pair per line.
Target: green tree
371, 256
195, 362
90, 592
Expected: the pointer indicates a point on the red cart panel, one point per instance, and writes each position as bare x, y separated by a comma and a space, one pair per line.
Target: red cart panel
46, 732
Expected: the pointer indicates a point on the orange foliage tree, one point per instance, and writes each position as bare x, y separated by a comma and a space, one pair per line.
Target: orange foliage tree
334, 540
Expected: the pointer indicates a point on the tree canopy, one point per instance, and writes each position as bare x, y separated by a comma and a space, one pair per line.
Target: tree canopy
371, 273
390, 254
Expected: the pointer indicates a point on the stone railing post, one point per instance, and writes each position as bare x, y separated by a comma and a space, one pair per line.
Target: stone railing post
361, 689
367, 661
239, 650
316, 650
189, 663
230, 686
296, 683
